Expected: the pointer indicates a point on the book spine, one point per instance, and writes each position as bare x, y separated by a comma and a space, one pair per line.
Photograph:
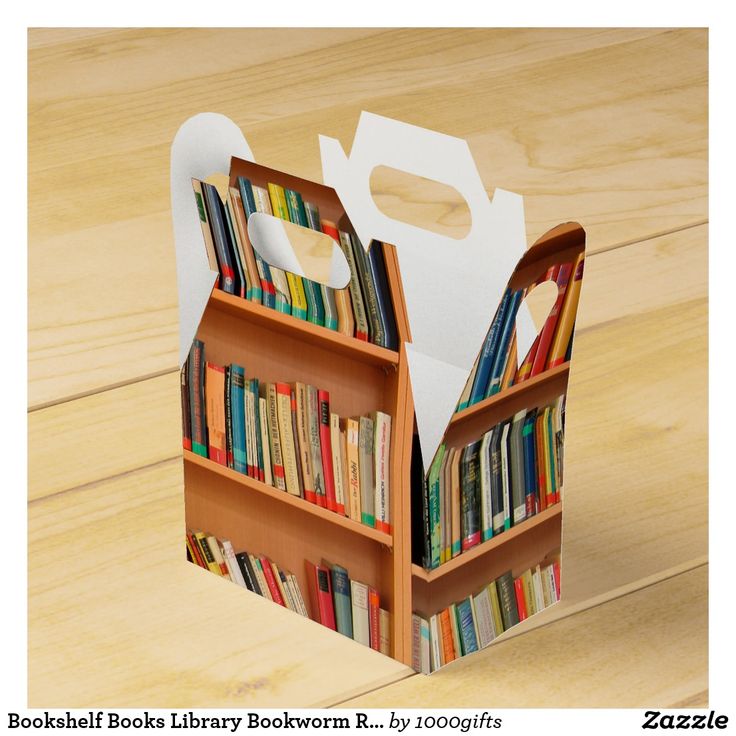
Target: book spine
255, 290
377, 333
447, 653
297, 448
520, 600
257, 428
219, 559
228, 418
497, 503
433, 493
548, 331
352, 435
345, 318
206, 231
507, 599
273, 588
279, 474
356, 297
384, 632
435, 644
315, 446
484, 618
237, 400
530, 464
326, 606
260, 577
248, 571
305, 452
195, 551
382, 448
486, 501
367, 481
488, 353
509, 323
241, 280
469, 517
248, 202
212, 201
509, 372
265, 445
376, 260
197, 398
215, 400
495, 608
455, 496
186, 411
337, 464
341, 598
566, 324
328, 294
250, 450
283, 395
325, 439
374, 630
232, 564
207, 553
361, 616
467, 626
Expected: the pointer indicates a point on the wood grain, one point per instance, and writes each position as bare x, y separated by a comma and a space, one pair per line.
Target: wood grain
118, 618
648, 648
103, 110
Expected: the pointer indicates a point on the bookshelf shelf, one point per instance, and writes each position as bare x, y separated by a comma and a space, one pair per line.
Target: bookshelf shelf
302, 330
255, 486
493, 544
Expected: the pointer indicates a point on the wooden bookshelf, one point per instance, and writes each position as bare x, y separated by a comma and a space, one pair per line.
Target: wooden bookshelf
360, 378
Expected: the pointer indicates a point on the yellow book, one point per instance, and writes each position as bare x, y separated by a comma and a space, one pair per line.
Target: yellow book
219, 559
352, 430
337, 466
511, 367
548, 468
207, 552
296, 285
305, 453
566, 322
528, 587
280, 283
286, 434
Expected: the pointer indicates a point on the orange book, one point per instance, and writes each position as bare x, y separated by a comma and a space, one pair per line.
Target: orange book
509, 371
525, 369
374, 626
214, 387
565, 325
448, 646
564, 271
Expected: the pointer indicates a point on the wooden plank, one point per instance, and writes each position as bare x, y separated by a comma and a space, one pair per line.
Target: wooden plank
118, 618
648, 648
106, 136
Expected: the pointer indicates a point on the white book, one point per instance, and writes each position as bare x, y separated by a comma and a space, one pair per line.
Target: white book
434, 638
337, 469
538, 593
486, 508
296, 594
263, 418
381, 452
483, 618
505, 474
236, 574
361, 623
552, 583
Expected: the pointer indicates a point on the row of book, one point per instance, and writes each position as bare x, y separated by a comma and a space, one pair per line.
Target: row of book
348, 606
473, 623
286, 436
256, 573
363, 309
496, 367
476, 492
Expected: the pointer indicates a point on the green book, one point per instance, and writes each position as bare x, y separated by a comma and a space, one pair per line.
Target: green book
433, 492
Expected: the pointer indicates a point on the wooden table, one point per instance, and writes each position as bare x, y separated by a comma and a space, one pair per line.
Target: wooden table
606, 127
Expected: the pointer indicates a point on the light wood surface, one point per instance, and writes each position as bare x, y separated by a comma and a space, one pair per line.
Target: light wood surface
116, 618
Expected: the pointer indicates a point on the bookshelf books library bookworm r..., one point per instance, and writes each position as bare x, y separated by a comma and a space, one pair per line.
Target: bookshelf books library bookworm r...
268, 491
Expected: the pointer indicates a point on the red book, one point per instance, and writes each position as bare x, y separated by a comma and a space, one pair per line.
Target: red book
214, 387
199, 560
320, 593
556, 569
373, 619
520, 602
323, 398
273, 588
548, 331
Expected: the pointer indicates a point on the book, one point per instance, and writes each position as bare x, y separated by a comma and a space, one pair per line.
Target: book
328, 294
377, 273
341, 599
320, 589
206, 230
455, 496
467, 626
520, 600
529, 459
325, 439
435, 644
207, 555
343, 304
374, 624
356, 296
485, 482
487, 355
186, 411
470, 529
509, 322
295, 435
382, 468
305, 451
277, 461
376, 328
550, 324
265, 442
455, 629
433, 504
336, 445
508, 502
384, 632
241, 280
420, 644
498, 623
215, 409
352, 438
444, 623
445, 506
516, 456
361, 618
315, 446
484, 617
237, 400
280, 209
288, 449
282, 295
566, 322
367, 480
247, 572
228, 419
507, 600
245, 248
216, 218
195, 367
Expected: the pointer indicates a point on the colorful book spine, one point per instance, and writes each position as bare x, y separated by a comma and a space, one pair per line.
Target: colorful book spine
352, 448
470, 499
468, 631
433, 493
315, 446
356, 296
328, 293
320, 588
215, 403
196, 369
367, 479
509, 323
345, 318
550, 325
255, 289
237, 400
488, 353
382, 469
338, 471
186, 411
305, 452
206, 230
277, 460
219, 237
342, 602
325, 439
377, 272
566, 323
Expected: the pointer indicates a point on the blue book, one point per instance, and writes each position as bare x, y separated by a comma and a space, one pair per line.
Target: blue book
377, 269
466, 625
259, 449
237, 395
499, 361
530, 462
341, 599
249, 205
488, 355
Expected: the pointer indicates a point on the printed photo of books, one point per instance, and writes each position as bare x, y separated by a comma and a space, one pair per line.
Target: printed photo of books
285, 435
256, 573
496, 367
508, 475
347, 606
473, 623
363, 309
